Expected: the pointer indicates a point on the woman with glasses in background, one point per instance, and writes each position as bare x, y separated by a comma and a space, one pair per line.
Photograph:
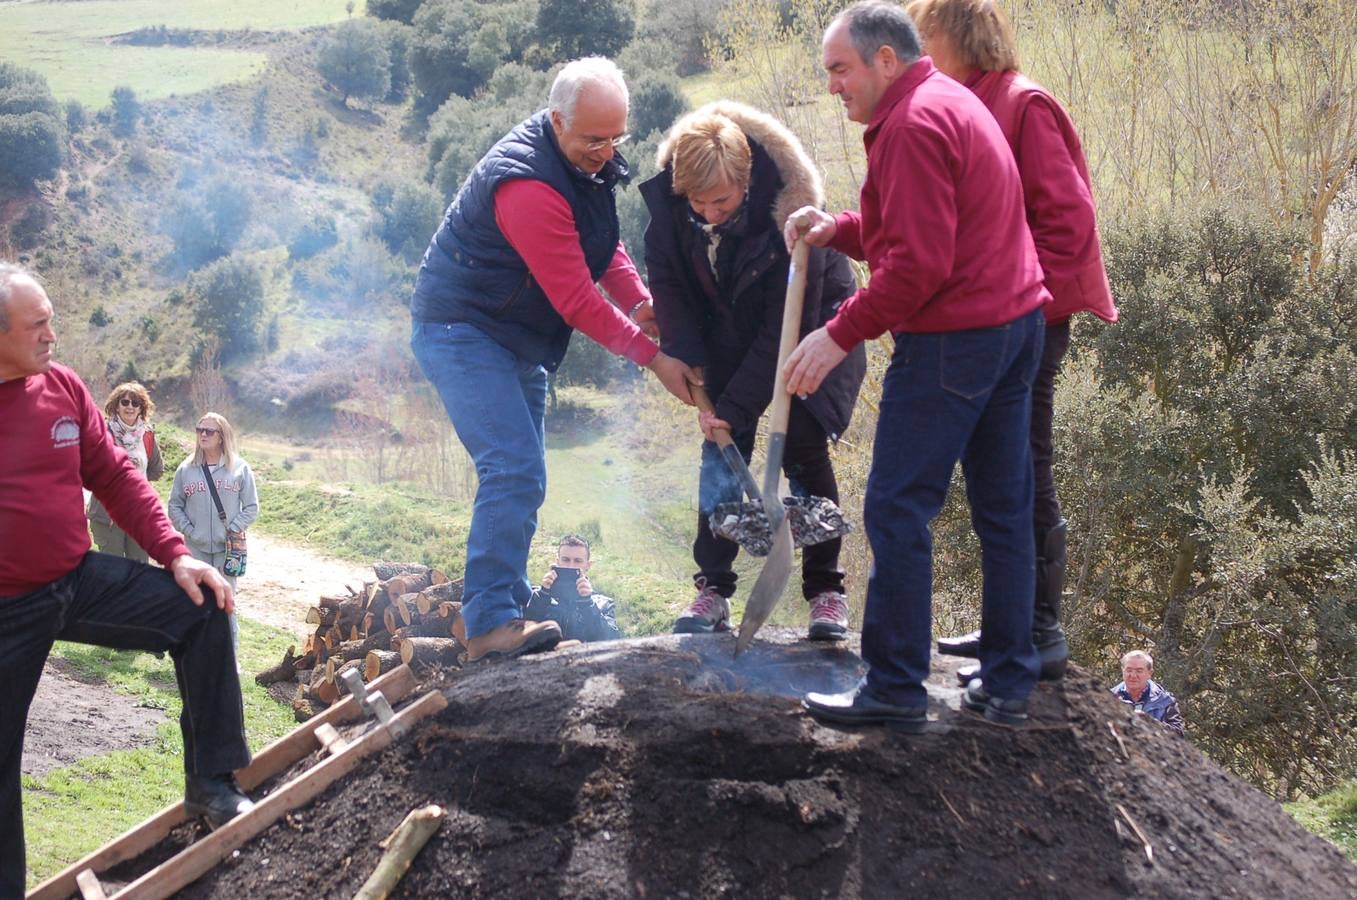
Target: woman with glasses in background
128, 411
215, 464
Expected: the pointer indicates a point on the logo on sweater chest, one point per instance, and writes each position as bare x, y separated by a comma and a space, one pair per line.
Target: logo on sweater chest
65, 432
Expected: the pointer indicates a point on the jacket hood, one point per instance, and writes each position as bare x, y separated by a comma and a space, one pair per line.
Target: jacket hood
801, 182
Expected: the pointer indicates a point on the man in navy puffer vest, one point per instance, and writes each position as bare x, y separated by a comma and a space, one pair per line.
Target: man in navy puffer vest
508, 276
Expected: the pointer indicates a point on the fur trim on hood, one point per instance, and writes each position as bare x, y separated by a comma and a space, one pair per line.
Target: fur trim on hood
801, 183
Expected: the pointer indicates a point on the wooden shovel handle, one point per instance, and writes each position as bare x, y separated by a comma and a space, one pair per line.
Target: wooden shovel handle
791, 333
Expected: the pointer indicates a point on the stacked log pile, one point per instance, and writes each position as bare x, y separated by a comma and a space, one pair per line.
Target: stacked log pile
406, 615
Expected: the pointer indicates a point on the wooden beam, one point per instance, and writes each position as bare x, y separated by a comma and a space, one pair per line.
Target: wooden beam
192, 863
276, 757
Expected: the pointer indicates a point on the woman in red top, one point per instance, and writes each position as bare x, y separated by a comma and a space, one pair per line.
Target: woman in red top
971, 41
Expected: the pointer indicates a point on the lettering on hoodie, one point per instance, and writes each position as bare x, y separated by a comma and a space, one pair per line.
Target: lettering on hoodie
200, 486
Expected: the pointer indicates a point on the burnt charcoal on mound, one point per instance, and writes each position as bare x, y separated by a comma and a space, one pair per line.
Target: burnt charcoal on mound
662, 767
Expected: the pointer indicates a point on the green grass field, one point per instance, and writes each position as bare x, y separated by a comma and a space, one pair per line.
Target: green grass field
69, 43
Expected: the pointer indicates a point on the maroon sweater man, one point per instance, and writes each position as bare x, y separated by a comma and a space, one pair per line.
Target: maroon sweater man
955, 279
52, 587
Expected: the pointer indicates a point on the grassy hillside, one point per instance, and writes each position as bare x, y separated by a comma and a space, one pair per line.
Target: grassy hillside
77, 45
127, 299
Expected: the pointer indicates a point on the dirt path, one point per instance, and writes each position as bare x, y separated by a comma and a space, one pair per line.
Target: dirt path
283, 579
72, 719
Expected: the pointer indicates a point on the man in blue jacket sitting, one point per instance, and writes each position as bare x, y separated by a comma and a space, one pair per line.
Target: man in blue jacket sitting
1147, 696
568, 598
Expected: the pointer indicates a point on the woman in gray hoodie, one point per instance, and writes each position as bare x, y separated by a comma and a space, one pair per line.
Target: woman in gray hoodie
194, 512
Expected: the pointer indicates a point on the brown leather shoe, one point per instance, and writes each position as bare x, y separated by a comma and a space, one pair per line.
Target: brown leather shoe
513, 639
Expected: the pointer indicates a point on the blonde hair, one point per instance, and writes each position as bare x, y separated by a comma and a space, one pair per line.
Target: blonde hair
978, 29
136, 391
707, 150
229, 457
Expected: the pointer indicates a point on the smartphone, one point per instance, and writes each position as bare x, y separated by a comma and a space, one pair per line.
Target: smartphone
563, 588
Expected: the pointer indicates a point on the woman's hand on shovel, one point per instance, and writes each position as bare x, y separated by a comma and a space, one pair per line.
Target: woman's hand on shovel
813, 359
709, 424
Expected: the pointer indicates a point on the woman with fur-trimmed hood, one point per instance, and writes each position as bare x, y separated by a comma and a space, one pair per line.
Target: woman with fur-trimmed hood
717, 265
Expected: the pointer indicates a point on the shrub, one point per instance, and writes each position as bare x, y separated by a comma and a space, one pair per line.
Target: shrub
230, 305
398, 37
575, 28
316, 235
458, 44
77, 117
32, 128
126, 111
100, 317
355, 60
29, 225
394, 10
207, 224
656, 101
409, 218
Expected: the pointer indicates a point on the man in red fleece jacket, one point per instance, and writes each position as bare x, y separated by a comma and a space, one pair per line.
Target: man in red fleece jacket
52, 587
955, 279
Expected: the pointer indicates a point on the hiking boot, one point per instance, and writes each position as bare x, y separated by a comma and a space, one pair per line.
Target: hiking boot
828, 616
995, 709
708, 612
216, 798
857, 707
514, 638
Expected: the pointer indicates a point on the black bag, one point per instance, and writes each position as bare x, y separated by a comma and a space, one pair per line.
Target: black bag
235, 542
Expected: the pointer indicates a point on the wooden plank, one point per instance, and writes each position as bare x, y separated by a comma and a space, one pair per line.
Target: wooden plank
90, 888
287, 750
192, 863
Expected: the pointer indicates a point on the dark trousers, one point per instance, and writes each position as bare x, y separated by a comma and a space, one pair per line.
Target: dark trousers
1046, 505
963, 395
113, 602
805, 461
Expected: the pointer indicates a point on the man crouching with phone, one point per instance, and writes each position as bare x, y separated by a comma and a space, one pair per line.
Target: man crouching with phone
567, 597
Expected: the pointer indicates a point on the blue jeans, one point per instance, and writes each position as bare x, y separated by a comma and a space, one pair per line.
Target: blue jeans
497, 403
963, 395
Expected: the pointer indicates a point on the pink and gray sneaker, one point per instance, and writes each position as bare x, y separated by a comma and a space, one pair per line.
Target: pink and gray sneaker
828, 616
708, 612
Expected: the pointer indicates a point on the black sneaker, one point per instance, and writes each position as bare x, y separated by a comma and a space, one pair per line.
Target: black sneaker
216, 798
995, 709
857, 707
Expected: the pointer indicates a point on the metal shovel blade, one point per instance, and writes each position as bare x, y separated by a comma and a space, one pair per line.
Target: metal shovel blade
767, 590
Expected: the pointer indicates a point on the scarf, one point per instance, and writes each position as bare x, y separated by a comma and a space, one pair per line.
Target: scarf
712, 234
132, 439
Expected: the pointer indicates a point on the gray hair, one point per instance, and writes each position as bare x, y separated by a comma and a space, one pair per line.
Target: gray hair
571, 80
1138, 654
8, 272
873, 24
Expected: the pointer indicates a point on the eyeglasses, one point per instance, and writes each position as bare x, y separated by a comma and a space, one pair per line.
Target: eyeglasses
208, 430
129, 401
595, 146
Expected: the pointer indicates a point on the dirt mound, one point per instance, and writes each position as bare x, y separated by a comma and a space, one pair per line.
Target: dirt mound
660, 767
